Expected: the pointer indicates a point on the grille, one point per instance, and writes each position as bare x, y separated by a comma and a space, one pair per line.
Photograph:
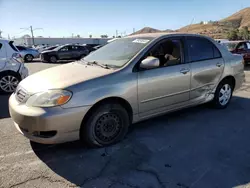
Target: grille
21, 95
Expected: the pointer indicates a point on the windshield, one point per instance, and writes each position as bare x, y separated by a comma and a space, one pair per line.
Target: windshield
230, 46
118, 52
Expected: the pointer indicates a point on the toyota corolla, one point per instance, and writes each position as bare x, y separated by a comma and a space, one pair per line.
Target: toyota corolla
128, 80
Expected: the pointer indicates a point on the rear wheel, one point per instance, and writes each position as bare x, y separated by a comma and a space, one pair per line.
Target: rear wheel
223, 94
28, 58
9, 82
106, 125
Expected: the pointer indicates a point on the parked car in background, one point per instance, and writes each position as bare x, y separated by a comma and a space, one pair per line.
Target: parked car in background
28, 54
97, 47
12, 69
239, 47
127, 81
65, 52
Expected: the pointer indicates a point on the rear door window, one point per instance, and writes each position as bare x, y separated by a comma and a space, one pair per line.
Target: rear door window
13, 46
201, 49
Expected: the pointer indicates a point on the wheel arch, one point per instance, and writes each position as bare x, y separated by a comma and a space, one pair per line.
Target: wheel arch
124, 103
10, 72
229, 78
28, 54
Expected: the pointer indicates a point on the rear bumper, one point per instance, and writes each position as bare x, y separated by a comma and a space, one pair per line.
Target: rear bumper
31, 121
24, 72
239, 80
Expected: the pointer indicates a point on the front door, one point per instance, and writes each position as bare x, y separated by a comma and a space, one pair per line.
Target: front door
206, 65
65, 52
166, 85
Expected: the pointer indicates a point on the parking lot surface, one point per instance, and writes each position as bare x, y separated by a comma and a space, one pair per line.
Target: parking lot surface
193, 148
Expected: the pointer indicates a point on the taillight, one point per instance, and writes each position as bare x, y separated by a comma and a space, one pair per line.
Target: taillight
16, 55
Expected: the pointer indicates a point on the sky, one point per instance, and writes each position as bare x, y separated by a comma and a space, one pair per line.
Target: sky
64, 18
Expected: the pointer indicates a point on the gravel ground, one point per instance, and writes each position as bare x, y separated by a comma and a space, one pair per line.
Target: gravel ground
192, 148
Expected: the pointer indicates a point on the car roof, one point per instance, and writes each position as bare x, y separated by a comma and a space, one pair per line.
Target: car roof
160, 34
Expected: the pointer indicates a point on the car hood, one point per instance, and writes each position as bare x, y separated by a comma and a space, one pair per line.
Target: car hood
48, 51
62, 76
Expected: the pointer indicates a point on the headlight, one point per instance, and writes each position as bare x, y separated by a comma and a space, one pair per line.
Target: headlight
49, 98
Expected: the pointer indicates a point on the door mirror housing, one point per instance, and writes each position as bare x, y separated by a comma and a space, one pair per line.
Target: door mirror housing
150, 63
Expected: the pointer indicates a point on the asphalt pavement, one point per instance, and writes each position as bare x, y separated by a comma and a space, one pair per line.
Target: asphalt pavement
193, 148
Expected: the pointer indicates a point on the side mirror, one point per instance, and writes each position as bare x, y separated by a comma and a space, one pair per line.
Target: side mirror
150, 63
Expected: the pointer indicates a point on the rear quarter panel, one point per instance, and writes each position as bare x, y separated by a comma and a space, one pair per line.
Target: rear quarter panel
233, 66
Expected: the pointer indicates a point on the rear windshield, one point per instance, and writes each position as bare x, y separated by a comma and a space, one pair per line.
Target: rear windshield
12, 46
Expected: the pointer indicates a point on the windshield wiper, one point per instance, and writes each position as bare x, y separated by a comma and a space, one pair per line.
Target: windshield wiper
99, 64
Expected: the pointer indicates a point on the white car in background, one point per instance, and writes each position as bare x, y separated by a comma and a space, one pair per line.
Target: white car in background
12, 69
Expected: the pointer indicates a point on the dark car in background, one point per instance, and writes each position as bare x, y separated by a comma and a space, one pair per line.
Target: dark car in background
65, 52
239, 47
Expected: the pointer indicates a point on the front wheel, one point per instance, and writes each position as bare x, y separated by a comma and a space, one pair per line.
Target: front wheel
223, 94
106, 125
53, 59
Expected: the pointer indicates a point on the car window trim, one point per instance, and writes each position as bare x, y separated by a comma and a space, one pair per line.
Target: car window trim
207, 59
183, 54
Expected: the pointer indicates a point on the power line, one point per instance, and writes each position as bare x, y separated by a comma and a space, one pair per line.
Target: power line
31, 30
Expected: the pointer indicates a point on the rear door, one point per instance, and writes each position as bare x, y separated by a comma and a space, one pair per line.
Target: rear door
206, 65
77, 51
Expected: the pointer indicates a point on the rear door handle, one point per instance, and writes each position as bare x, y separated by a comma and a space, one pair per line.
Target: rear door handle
219, 64
184, 71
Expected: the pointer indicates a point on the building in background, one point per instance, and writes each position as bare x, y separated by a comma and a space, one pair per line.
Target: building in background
54, 41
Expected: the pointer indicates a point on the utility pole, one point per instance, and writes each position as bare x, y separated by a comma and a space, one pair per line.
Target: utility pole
1, 33
116, 33
190, 24
32, 33
133, 30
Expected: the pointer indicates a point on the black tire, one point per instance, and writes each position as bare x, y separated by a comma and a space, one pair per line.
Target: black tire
5, 75
53, 59
216, 101
96, 130
28, 58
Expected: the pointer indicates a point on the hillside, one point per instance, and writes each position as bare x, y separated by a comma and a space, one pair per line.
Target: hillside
239, 19
147, 30
216, 29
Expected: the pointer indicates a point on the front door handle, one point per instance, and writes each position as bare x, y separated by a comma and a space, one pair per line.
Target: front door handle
184, 71
219, 64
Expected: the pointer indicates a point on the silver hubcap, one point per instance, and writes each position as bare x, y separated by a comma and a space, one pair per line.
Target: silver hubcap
225, 94
9, 83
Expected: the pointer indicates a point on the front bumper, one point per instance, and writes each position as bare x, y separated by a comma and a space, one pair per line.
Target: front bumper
30, 121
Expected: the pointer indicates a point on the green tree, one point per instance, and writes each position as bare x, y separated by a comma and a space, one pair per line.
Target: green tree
104, 36
244, 33
233, 35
